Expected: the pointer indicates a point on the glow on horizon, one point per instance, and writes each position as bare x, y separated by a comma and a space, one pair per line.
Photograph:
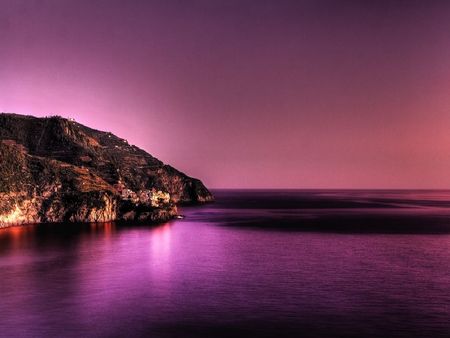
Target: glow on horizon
242, 94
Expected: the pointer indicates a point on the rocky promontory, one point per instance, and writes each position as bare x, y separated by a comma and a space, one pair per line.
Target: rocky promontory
56, 170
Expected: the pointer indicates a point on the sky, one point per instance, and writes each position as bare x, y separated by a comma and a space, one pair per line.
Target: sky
245, 93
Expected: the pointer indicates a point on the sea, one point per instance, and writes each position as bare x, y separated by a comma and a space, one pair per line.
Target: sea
256, 263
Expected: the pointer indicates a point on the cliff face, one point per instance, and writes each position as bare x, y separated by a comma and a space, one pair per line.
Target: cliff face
57, 170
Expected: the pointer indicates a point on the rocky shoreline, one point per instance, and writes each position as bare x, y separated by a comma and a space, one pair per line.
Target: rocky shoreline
57, 170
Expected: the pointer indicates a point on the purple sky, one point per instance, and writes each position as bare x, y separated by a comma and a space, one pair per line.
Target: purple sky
249, 94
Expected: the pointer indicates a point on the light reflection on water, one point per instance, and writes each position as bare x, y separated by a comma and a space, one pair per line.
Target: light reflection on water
226, 270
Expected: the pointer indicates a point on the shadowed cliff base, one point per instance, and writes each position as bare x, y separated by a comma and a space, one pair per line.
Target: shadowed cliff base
56, 170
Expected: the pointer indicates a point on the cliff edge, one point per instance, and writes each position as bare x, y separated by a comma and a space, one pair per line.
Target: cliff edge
56, 170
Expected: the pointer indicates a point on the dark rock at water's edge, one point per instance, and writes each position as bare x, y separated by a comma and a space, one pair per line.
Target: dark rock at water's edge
56, 170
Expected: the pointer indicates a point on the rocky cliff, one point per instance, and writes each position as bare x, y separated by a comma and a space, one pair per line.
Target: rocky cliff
57, 170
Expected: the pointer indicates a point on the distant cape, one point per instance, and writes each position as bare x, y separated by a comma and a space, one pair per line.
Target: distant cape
56, 170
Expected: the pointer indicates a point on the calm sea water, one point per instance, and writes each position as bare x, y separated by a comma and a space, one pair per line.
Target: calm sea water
255, 263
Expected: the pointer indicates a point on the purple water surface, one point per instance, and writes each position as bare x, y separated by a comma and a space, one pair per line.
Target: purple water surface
249, 265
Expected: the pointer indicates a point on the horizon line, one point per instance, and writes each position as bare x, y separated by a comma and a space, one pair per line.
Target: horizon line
280, 188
